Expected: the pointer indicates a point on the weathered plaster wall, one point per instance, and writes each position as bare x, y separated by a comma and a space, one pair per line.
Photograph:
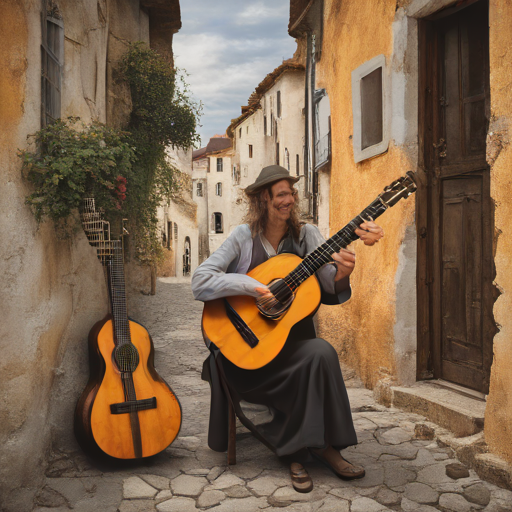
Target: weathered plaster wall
181, 210
199, 174
52, 287
363, 330
52, 290
498, 414
220, 204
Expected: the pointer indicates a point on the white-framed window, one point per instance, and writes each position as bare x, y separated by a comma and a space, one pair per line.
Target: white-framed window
218, 189
219, 164
199, 189
370, 137
322, 128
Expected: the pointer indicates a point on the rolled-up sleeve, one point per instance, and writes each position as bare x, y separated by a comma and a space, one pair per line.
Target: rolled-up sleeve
333, 292
211, 280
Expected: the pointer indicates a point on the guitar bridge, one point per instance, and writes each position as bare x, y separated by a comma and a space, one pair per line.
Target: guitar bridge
133, 406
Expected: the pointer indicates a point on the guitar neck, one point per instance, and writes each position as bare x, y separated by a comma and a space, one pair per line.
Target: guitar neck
323, 254
110, 253
399, 189
117, 292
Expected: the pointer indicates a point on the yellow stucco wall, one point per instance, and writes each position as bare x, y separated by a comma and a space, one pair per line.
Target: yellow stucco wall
13, 60
498, 415
362, 329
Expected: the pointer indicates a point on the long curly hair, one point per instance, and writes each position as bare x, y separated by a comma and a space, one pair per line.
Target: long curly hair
257, 214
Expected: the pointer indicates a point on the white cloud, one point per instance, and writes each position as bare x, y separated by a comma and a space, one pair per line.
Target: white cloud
259, 12
227, 48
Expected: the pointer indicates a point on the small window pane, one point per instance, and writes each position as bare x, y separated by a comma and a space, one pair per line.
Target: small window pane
371, 109
250, 150
217, 221
219, 164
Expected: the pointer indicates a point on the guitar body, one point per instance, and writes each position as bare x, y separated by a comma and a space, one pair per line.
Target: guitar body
97, 429
272, 334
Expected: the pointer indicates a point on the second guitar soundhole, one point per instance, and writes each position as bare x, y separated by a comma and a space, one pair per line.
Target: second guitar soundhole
126, 357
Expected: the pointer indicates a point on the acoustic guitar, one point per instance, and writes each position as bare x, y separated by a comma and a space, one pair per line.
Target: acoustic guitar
251, 332
127, 410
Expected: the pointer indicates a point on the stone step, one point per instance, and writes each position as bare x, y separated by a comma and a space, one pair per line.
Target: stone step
462, 415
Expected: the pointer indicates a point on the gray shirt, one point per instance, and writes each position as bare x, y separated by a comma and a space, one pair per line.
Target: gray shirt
223, 274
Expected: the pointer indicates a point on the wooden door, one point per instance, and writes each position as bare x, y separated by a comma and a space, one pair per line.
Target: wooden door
456, 325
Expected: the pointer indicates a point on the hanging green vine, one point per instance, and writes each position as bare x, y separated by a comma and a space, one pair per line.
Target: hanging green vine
127, 172
162, 115
72, 161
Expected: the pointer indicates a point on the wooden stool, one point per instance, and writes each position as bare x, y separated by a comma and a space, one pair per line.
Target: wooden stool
236, 411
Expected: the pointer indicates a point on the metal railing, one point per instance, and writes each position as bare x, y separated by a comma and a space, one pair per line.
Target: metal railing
323, 150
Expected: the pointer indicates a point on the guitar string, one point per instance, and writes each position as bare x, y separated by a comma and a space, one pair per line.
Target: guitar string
322, 255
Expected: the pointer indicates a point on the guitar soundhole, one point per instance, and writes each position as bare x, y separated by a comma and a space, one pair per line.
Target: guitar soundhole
276, 306
126, 357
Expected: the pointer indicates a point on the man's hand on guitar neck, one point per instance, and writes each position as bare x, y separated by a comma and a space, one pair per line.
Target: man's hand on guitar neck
369, 232
345, 260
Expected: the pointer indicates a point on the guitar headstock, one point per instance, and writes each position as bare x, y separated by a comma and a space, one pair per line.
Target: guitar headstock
97, 231
401, 188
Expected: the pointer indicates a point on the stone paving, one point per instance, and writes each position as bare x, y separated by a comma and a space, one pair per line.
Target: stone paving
407, 468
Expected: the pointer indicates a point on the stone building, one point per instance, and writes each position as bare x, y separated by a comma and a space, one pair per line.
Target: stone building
177, 222
269, 131
213, 193
422, 85
53, 289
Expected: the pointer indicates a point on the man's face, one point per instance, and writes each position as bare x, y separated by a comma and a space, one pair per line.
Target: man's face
280, 205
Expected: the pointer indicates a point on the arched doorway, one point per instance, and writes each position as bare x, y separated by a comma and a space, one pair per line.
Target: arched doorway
186, 257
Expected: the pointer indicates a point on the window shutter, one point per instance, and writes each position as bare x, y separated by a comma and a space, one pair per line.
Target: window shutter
52, 60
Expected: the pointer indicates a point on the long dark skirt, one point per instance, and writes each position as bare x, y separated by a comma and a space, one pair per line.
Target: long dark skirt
305, 393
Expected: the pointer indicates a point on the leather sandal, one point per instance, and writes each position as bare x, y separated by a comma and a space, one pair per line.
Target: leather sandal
301, 481
352, 472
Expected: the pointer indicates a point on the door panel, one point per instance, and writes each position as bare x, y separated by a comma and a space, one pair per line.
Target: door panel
461, 303
456, 308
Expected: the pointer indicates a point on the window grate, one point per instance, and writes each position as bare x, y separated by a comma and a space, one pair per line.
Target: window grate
52, 57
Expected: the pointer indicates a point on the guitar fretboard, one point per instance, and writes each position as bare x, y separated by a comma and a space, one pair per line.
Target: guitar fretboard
110, 253
323, 254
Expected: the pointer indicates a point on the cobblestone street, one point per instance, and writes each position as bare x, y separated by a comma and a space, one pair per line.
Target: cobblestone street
407, 468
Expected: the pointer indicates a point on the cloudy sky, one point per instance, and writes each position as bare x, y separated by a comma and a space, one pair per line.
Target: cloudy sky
227, 47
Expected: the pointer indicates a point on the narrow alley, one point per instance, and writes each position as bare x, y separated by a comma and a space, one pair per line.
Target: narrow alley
409, 465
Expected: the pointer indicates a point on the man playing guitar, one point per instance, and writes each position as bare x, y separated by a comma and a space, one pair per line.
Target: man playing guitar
303, 386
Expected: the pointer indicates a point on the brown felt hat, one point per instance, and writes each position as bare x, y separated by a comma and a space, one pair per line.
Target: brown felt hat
269, 175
